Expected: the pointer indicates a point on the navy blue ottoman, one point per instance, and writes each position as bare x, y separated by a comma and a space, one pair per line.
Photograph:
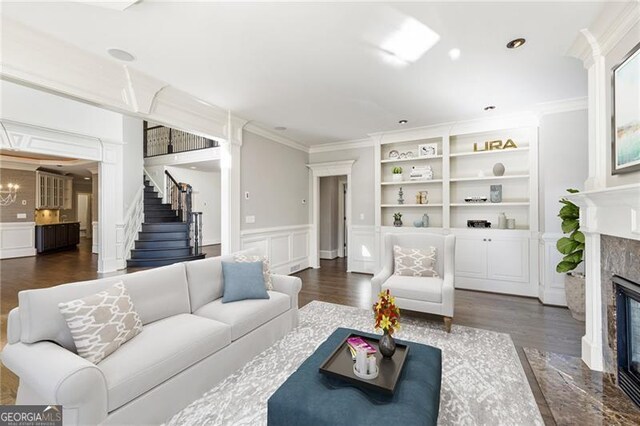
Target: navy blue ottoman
311, 398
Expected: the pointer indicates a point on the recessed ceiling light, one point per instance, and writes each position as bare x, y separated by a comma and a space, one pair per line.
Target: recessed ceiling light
193, 167
489, 107
514, 44
454, 54
281, 128
87, 178
402, 122
121, 55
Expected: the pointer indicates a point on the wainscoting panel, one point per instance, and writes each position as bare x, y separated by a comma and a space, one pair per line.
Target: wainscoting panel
551, 291
17, 239
362, 249
287, 247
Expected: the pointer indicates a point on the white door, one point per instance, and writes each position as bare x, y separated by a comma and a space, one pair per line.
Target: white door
508, 259
471, 257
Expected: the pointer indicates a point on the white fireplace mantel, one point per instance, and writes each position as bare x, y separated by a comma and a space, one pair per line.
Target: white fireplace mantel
611, 211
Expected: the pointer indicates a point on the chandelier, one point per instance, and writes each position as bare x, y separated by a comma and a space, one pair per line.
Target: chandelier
8, 195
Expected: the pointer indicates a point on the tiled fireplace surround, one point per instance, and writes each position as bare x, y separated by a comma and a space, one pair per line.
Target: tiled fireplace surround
618, 256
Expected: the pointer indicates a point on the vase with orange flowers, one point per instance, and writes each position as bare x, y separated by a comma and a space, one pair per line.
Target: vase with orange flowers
387, 316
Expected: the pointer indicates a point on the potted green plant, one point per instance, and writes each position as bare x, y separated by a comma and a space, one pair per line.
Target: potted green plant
397, 174
397, 219
572, 249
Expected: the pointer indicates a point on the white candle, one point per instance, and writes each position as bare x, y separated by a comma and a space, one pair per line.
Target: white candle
372, 365
361, 361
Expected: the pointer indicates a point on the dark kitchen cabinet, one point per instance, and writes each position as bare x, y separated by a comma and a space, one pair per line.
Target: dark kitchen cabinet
57, 236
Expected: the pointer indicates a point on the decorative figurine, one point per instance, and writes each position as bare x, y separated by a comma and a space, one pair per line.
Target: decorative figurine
400, 196
496, 193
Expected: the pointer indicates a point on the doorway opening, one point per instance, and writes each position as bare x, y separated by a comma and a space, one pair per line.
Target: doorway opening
83, 213
333, 218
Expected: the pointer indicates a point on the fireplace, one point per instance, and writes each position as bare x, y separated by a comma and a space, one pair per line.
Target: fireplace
628, 339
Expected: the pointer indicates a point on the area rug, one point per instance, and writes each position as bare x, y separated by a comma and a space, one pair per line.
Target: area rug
483, 382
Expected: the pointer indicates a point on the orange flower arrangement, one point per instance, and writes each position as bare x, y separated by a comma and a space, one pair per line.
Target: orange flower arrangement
386, 313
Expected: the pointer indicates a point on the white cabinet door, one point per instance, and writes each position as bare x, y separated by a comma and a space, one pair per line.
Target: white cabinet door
508, 259
471, 257
67, 202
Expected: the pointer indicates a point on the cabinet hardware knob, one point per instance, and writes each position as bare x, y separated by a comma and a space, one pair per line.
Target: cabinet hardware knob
489, 239
484, 239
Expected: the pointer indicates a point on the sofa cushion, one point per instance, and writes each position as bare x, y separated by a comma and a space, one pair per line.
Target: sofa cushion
162, 350
242, 281
156, 293
426, 289
102, 322
266, 266
246, 315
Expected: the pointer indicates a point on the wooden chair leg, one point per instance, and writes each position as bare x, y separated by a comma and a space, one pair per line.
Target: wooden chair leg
447, 324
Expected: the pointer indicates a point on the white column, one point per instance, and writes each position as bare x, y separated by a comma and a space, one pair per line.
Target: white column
110, 210
230, 181
592, 340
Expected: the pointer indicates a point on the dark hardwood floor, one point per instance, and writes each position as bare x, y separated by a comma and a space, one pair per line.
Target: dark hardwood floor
529, 323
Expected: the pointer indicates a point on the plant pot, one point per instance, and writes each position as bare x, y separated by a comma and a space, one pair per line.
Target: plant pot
396, 177
574, 291
397, 223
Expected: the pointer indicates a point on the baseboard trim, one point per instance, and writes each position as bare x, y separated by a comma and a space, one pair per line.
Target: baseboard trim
17, 252
328, 254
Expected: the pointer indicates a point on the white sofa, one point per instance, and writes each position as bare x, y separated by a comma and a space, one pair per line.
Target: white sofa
423, 294
190, 342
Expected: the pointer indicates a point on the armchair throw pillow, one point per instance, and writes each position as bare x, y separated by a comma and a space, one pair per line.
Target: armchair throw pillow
102, 322
414, 262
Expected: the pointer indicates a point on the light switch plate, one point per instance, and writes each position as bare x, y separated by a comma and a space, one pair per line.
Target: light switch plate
21, 216
250, 219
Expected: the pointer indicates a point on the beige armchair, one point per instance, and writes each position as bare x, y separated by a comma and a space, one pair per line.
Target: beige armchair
433, 295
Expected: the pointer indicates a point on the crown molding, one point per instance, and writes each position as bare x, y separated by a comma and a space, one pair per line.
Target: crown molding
261, 131
341, 146
562, 105
617, 29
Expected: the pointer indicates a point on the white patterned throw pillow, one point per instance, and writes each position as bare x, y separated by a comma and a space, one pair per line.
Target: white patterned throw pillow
102, 322
414, 262
266, 266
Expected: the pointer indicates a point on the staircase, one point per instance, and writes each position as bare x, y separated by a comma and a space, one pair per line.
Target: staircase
164, 238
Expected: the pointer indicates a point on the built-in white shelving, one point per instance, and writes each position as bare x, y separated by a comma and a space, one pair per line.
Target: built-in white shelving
487, 259
412, 182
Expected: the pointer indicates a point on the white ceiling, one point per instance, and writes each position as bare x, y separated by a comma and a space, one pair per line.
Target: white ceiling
317, 68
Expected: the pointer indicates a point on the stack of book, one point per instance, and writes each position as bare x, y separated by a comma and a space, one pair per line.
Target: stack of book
355, 343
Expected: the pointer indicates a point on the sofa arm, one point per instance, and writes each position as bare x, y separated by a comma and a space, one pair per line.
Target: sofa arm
377, 281
448, 292
59, 376
288, 285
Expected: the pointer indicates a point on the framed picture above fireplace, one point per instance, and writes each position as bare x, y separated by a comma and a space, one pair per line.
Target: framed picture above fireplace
625, 120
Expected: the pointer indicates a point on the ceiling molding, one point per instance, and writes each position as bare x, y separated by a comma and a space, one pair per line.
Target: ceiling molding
562, 105
617, 29
340, 146
331, 168
66, 70
261, 131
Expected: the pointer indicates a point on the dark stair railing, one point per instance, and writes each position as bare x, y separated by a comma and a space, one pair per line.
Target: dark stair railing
180, 197
161, 140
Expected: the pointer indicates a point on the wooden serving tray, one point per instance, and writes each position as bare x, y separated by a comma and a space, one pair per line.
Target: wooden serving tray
340, 365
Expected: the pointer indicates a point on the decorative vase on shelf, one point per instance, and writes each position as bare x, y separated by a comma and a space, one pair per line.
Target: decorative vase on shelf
425, 220
387, 345
397, 177
418, 223
502, 221
498, 169
397, 219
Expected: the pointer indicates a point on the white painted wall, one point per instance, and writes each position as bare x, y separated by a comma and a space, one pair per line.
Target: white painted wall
613, 58
563, 163
206, 198
362, 180
277, 179
31, 106
132, 157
